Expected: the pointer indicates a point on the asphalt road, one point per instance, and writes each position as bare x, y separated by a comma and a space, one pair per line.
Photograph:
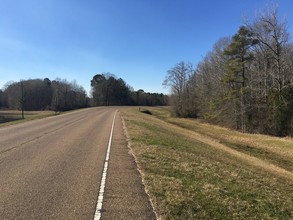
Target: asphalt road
52, 168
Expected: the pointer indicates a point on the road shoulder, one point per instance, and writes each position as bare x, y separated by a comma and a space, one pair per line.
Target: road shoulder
125, 196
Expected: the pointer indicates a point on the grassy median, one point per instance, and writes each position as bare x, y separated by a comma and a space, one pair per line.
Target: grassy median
194, 170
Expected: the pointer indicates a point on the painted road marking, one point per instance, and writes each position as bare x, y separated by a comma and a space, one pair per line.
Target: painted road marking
99, 206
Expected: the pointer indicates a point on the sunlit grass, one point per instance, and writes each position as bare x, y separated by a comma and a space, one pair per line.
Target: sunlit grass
198, 171
9, 117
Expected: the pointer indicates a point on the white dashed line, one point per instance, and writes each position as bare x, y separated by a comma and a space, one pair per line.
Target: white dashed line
98, 212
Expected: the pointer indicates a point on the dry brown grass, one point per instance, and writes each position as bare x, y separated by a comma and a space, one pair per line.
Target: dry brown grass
8, 117
199, 171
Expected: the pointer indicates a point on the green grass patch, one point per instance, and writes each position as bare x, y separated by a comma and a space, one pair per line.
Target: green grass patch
263, 154
188, 179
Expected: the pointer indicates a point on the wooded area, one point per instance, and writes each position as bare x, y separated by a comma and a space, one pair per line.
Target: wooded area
108, 90
61, 95
245, 82
37, 94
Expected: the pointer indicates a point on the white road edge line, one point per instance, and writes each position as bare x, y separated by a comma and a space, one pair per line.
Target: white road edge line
98, 212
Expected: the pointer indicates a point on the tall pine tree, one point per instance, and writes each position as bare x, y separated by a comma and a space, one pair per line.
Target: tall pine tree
239, 55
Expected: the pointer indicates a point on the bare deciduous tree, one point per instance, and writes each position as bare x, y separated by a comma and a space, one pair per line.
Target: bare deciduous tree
178, 79
245, 82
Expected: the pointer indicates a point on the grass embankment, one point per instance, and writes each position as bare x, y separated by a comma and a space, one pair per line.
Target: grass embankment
8, 117
198, 171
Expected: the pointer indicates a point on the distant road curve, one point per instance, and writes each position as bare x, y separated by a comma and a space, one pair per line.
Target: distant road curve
51, 168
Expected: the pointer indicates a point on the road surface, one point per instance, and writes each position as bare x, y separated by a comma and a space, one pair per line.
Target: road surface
52, 168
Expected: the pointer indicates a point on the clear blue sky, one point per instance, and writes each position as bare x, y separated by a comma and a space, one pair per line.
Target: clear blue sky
137, 40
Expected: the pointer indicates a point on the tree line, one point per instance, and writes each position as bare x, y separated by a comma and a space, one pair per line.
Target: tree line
61, 95
108, 90
245, 82
38, 94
